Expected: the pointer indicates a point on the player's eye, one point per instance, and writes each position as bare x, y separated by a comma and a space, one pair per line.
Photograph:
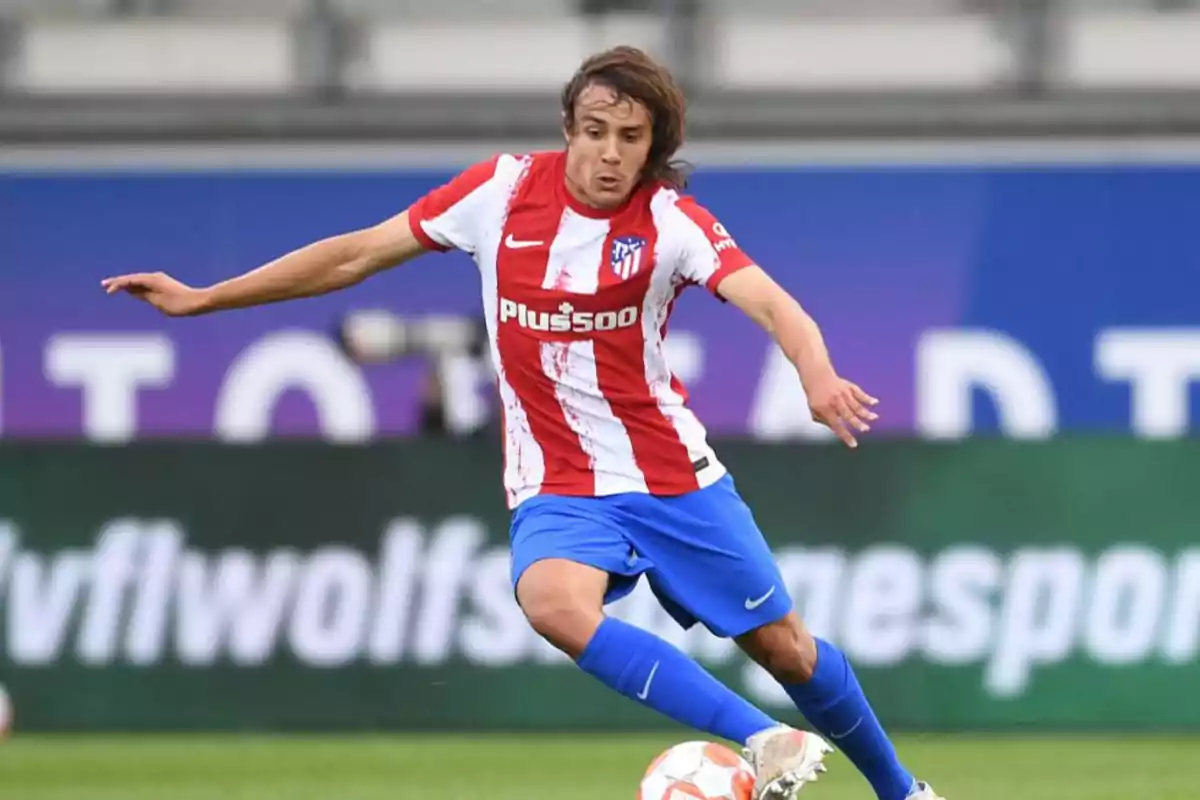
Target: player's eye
594, 133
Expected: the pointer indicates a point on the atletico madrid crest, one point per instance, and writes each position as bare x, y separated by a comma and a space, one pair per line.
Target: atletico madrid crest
626, 257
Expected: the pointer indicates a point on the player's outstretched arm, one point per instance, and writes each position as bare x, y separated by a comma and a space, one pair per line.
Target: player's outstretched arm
834, 401
319, 268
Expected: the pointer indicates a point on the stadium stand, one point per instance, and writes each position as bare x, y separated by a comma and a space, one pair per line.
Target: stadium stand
758, 58
253, 46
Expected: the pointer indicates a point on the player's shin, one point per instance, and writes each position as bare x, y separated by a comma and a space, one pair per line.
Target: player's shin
834, 703
652, 672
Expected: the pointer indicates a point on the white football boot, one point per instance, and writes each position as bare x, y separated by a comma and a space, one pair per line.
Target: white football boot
784, 760
924, 792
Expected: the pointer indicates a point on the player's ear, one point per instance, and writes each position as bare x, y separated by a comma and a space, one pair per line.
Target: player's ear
566, 128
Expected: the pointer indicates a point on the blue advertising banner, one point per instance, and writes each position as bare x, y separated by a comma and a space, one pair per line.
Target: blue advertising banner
1026, 301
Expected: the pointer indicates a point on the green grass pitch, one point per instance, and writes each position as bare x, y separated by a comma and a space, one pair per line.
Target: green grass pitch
567, 766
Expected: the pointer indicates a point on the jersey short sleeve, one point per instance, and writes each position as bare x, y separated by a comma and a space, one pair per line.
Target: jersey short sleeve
708, 253
455, 215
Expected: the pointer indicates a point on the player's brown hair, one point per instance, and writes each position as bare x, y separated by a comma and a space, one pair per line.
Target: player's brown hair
634, 75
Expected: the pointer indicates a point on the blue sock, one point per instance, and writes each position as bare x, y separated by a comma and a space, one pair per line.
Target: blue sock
833, 702
648, 670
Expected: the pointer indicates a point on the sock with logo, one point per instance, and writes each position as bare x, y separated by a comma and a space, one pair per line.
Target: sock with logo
652, 672
834, 703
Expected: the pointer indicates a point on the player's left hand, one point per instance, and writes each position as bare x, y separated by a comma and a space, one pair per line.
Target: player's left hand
842, 406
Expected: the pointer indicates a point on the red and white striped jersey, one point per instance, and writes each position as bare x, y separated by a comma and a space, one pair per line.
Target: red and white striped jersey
577, 301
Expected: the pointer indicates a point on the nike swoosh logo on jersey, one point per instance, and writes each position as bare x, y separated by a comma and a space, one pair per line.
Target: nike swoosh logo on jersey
645, 692
752, 604
517, 245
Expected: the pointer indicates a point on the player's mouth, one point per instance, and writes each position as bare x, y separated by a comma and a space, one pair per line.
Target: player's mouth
608, 182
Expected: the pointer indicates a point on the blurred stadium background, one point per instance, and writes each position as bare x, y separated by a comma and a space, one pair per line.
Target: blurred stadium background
275, 539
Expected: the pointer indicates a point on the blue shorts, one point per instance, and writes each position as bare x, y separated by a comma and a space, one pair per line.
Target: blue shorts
702, 552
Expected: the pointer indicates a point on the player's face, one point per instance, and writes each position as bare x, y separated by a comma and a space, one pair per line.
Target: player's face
608, 147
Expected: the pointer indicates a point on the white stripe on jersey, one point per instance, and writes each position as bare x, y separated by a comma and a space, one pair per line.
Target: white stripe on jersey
662, 289
525, 465
572, 365
463, 225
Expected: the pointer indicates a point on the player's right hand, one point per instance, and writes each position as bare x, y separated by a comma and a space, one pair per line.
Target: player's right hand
160, 290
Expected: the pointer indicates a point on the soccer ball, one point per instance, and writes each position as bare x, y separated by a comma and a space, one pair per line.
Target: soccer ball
698, 771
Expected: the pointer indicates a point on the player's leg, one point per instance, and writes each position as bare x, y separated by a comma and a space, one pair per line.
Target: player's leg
697, 569
822, 684
711, 559
568, 559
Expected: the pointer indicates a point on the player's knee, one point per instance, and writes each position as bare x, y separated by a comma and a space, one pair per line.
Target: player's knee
563, 603
783, 648
564, 623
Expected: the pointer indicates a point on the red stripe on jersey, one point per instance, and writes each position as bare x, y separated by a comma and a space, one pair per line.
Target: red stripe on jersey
730, 257
519, 274
660, 455
621, 375
444, 197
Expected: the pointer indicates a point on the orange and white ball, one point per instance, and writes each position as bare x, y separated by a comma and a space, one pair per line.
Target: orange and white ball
698, 771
